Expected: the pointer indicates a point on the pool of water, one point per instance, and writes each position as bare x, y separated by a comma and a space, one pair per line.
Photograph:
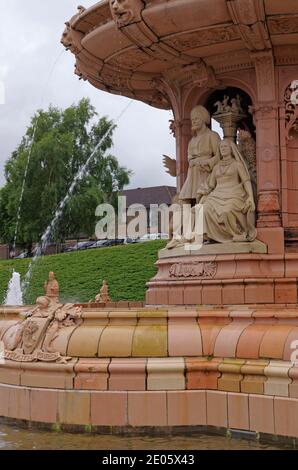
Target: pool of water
14, 438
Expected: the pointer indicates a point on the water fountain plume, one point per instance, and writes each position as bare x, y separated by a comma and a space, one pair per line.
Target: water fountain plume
14, 295
82, 172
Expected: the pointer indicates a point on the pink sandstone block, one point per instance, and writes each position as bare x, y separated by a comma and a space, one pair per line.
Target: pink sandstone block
217, 409
233, 293
293, 387
161, 296
60, 343
176, 295
257, 292
4, 400
254, 378
74, 407
84, 341
184, 337
274, 239
285, 291
238, 413
210, 328
48, 375
227, 339
261, 414
291, 266
231, 378
166, 373
19, 403
250, 340
151, 297
91, 374
127, 374
187, 408
109, 409
291, 346
192, 295
147, 408
278, 380
43, 405
10, 373
274, 340
212, 293
202, 374
116, 339
285, 414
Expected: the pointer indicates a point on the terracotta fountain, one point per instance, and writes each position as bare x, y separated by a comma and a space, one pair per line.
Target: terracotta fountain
215, 346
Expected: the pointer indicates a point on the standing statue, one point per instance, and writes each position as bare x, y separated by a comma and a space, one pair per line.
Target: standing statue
202, 151
202, 156
229, 208
51, 287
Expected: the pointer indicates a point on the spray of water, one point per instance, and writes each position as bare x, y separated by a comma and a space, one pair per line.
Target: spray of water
30, 153
83, 171
14, 294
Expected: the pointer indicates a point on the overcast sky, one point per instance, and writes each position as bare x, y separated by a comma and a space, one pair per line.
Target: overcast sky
36, 72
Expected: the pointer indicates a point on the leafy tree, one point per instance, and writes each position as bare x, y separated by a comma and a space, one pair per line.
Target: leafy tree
57, 144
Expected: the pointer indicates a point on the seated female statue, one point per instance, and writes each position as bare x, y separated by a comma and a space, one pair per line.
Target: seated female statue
229, 208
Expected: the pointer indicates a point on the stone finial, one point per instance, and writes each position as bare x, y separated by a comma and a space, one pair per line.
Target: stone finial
51, 287
103, 296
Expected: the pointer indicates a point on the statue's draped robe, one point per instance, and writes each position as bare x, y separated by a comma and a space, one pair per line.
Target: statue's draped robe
224, 214
202, 148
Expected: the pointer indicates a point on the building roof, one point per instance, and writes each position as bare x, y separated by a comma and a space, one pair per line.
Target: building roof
152, 195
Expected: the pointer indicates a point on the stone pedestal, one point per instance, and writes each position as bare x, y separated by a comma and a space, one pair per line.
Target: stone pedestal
224, 275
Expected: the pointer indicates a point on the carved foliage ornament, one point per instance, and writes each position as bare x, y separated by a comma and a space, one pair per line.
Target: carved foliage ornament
193, 270
283, 24
291, 105
204, 37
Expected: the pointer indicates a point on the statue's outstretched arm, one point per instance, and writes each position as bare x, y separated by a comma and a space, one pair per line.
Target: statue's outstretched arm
170, 165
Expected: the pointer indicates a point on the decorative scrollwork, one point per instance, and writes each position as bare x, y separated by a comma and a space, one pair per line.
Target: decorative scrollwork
291, 105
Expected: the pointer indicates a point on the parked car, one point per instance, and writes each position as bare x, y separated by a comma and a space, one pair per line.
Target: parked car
130, 240
98, 244
80, 246
23, 255
153, 236
107, 243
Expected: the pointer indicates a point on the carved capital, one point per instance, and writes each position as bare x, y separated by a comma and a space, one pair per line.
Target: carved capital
265, 73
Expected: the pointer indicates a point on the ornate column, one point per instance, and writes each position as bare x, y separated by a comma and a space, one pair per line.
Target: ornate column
183, 136
250, 19
266, 113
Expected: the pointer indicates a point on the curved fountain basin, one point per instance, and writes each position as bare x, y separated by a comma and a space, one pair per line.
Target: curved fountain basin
162, 367
163, 38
